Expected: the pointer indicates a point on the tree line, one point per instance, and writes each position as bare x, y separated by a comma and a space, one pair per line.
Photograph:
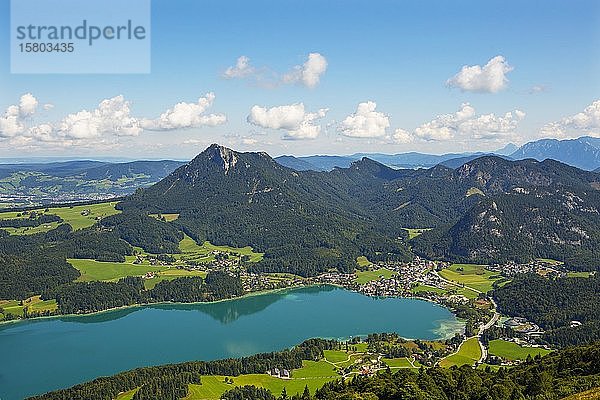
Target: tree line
88, 297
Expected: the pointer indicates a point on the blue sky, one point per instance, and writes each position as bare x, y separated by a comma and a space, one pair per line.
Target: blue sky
396, 58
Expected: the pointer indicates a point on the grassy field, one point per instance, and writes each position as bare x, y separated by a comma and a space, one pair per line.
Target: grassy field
335, 356
313, 374
471, 275
414, 232
192, 251
363, 277
362, 261
468, 353
512, 351
167, 217
92, 270
426, 288
71, 215
397, 362
33, 304
127, 395
580, 274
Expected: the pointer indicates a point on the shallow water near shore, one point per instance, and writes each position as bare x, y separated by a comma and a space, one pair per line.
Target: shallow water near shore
49, 354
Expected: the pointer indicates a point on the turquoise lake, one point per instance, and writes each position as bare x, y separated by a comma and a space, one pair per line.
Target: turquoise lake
42, 355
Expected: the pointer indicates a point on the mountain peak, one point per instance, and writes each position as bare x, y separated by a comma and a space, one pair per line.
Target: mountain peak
222, 156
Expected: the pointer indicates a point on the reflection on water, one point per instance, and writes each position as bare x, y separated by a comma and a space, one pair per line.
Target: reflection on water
223, 311
100, 317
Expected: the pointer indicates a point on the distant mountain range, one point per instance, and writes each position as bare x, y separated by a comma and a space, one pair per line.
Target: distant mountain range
41, 183
582, 153
35, 183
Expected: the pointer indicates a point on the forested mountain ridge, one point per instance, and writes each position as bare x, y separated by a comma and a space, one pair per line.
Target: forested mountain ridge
531, 209
488, 210
303, 222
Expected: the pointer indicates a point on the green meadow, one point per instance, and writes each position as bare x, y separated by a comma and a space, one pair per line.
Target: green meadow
313, 374
396, 363
468, 353
192, 251
471, 275
363, 277
414, 232
362, 261
33, 304
513, 351
78, 217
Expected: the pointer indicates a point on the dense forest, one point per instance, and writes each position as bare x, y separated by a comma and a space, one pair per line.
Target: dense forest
86, 297
553, 304
554, 376
32, 264
31, 221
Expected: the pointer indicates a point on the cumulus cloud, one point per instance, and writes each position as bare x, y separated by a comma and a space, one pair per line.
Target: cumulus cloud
401, 136
112, 116
491, 78
27, 105
100, 127
13, 122
186, 115
292, 119
309, 73
365, 122
466, 124
241, 69
586, 122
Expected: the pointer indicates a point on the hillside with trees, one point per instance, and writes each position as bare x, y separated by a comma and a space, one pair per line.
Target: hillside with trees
553, 304
554, 376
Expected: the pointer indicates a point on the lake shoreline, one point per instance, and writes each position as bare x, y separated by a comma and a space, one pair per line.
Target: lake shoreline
142, 305
247, 295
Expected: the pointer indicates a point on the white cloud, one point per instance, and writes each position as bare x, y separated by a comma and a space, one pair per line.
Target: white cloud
111, 117
27, 105
402, 136
293, 119
491, 78
309, 73
98, 128
186, 115
365, 122
465, 124
586, 122
12, 123
241, 69
538, 89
